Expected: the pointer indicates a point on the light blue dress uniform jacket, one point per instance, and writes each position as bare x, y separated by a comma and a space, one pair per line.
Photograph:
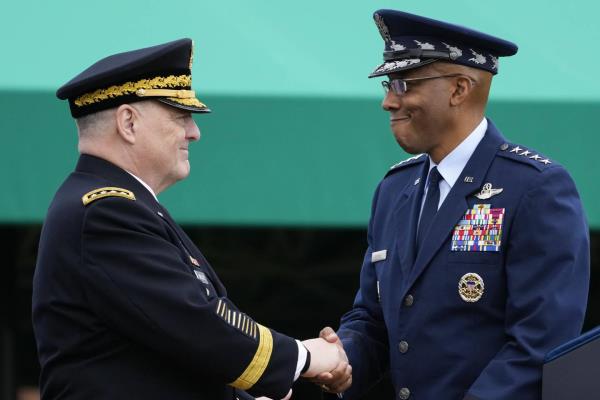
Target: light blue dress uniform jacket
408, 317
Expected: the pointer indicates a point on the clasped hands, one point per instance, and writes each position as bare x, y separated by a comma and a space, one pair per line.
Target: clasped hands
329, 367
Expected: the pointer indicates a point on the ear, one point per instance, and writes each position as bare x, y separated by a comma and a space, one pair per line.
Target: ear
462, 89
128, 119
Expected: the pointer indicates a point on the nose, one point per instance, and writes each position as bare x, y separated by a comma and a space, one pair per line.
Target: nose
391, 101
192, 132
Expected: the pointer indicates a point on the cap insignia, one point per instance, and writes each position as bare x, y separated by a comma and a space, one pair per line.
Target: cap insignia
478, 59
383, 29
396, 46
191, 56
494, 63
425, 46
455, 52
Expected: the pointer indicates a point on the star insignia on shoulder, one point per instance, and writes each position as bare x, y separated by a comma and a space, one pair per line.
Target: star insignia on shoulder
520, 151
406, 161
516, 149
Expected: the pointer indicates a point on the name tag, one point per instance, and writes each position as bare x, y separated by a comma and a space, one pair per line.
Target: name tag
378, 255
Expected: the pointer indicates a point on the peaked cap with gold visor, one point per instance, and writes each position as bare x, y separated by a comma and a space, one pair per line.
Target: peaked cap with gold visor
162, 73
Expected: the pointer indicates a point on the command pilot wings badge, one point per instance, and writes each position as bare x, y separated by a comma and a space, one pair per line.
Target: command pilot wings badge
487, 191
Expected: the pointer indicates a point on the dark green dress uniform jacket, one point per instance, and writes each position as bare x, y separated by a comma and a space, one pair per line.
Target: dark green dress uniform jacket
126, 307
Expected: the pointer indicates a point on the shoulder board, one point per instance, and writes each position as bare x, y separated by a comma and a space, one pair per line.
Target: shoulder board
524, 155
405, 163
106, 192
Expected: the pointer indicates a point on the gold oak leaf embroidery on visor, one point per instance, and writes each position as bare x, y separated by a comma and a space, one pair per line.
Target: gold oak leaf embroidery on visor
128, 88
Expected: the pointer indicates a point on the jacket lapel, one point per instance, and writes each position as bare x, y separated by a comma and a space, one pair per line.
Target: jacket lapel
406, 216
455, 204
192, 250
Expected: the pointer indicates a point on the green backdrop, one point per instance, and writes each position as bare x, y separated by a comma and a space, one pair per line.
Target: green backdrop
297, 136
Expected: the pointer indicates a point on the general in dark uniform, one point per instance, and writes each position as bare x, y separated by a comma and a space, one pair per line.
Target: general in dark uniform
124, 304
478, 251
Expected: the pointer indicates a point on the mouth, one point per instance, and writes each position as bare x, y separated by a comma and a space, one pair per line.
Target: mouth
399, 118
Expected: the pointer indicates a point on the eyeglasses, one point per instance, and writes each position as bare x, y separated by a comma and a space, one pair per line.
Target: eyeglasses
400, 86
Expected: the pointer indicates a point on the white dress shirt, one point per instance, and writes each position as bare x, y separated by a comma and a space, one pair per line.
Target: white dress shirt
453, 164
144, 185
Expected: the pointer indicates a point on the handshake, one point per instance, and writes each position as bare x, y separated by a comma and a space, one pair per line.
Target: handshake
329, 367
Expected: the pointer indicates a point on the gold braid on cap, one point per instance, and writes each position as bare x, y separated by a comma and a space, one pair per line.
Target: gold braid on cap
128, 88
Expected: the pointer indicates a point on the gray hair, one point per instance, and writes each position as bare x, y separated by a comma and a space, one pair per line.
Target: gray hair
95, 123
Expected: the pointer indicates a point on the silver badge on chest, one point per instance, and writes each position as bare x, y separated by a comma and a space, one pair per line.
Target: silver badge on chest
471, 287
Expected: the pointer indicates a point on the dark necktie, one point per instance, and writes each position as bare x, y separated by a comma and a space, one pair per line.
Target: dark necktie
431, 205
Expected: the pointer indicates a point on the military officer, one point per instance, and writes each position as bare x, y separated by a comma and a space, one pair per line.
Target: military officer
124, 304
478, 251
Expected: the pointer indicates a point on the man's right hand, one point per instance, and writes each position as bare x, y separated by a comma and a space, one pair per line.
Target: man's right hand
324, 357
339, 379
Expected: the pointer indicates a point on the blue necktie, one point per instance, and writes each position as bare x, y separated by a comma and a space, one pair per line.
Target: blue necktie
431, 205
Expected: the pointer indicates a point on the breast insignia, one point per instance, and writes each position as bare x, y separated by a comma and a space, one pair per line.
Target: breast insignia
471, 287
487, 191
106, 192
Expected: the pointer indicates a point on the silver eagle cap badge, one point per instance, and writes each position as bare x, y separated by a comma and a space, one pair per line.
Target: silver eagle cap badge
487, 191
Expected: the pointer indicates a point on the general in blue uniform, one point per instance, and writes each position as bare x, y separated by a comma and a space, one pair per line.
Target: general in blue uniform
478, 251
124, 304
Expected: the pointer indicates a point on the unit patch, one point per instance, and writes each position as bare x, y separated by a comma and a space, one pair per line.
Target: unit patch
471, 287
480, 229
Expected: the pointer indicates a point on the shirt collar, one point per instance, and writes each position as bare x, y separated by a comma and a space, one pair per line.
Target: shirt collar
145, 185
452, 165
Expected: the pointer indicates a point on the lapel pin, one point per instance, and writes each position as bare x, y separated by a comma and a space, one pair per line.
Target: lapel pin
417, 181
487, 191
468, 179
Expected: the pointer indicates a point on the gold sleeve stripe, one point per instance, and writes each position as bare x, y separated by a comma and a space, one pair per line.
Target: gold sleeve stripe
259, 362
229, 317
106, 192
219, 304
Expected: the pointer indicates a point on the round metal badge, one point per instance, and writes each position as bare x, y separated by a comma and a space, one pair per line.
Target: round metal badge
471, 287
